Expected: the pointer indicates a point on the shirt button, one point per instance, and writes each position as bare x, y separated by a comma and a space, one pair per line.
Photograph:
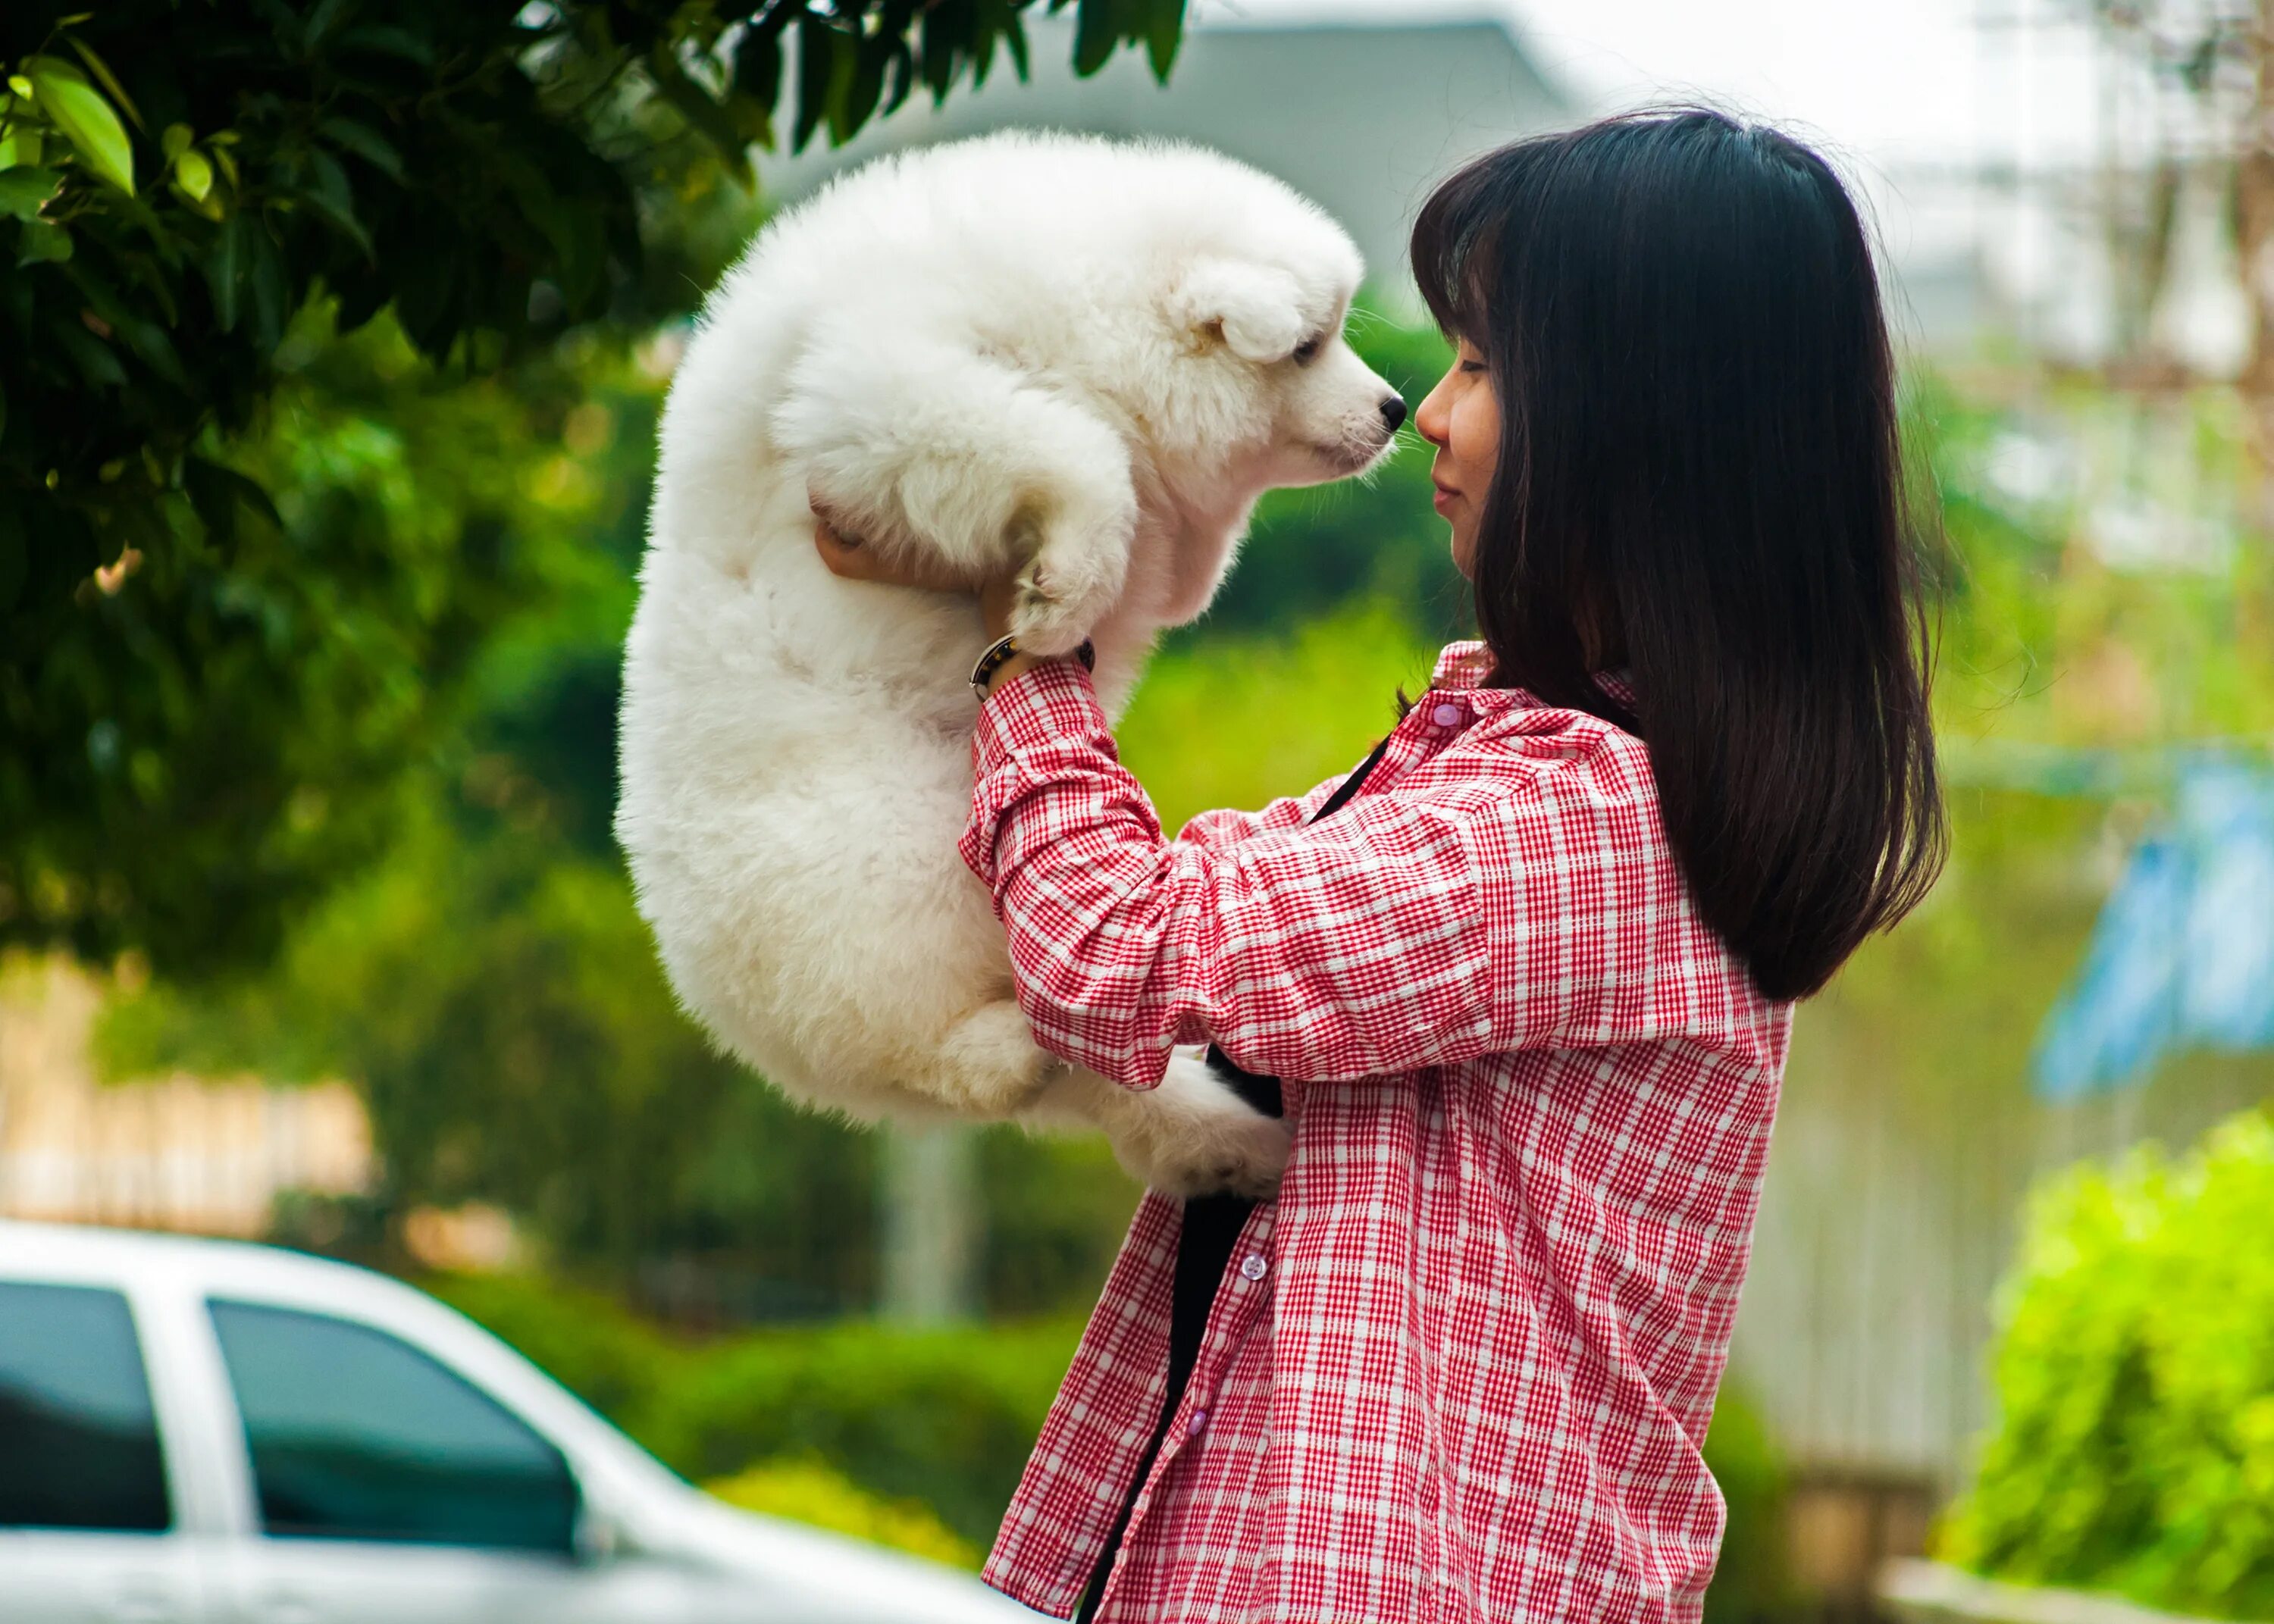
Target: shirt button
1196, 1423
1447, 716
1253, 1267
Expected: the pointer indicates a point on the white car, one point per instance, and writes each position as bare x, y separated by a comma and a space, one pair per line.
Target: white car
201, 1431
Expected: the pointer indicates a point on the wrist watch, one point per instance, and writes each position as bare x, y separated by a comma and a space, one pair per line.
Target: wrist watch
999, 653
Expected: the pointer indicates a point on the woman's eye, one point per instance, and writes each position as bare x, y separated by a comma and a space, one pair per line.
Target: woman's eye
1308, 351
1473, 366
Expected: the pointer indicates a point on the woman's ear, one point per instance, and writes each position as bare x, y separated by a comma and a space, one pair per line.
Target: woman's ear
1255, 309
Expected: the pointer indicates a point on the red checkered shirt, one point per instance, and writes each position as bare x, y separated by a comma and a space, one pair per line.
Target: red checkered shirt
1461, 1367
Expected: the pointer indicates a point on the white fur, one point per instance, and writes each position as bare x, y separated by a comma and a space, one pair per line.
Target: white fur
1064, 354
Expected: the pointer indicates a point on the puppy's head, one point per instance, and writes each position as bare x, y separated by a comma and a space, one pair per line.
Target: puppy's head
1282, 398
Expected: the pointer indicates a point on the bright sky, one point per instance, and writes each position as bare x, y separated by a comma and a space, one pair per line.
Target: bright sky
1889, 83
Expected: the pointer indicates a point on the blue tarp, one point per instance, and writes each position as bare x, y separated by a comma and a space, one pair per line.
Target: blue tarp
2183, 954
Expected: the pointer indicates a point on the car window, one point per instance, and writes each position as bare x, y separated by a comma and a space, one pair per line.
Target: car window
79, 1442
355, 1435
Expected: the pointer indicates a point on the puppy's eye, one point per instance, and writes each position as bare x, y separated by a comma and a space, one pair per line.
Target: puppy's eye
1308, 351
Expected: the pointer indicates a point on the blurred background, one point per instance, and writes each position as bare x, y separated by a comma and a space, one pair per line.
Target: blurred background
315, 931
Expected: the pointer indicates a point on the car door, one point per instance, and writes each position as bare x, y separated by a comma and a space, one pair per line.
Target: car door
388, 1489
88, 1523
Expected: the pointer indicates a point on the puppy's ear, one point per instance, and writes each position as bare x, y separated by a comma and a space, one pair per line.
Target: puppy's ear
1255, 309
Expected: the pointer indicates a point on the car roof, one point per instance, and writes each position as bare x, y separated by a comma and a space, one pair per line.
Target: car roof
132, 1258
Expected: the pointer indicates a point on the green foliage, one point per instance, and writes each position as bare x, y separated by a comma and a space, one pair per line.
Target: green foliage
2135, 1371
943, 1417
2044, 641
1053, 1212
1751, 1584
178, 183
1232, 720
806, 1491
257, 748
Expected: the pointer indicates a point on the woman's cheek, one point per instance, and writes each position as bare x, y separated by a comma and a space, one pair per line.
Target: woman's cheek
1479, 435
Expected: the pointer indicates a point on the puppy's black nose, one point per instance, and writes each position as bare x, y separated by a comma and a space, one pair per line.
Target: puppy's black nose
1393, 411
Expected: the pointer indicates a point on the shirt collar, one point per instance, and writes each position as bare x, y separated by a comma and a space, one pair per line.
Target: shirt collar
1462, 668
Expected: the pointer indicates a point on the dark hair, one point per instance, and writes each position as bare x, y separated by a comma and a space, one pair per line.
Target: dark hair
1700, 477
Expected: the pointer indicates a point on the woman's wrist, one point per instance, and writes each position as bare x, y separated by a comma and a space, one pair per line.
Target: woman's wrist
1016, 666
1004, 660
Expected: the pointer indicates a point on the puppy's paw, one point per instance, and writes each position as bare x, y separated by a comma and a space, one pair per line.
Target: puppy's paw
1070, 583
1244, 1159
1193, 1136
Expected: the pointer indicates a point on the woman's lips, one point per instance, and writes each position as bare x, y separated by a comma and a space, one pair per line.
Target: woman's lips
1444, 497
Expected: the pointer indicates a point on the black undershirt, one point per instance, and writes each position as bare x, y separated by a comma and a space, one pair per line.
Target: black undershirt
1212, 1224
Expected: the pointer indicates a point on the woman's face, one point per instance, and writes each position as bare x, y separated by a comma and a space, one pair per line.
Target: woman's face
1461, 418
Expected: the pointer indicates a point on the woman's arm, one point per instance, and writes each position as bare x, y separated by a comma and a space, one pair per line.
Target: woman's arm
1513, 909
1219, 830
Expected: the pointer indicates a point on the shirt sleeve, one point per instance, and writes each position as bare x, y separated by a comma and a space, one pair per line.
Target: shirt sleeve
1219, 830
1411, 929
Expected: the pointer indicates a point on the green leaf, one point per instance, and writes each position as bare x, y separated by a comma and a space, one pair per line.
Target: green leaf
176, 142
320, 21
383, 41
705, 116
937, 54
904, 78
366, 143
754, 86
848, 111
23, 190
265, 271
194, 173
225, 268
85, 119
332, 197
1166, 34
94, 358
43, 243
102, 71
20, 145
758, 67
818, 51
140, 334
1095, 36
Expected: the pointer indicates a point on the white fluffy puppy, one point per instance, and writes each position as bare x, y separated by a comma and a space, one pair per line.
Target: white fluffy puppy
1082, 359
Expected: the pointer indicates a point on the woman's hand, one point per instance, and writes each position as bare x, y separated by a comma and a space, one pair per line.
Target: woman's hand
849, 559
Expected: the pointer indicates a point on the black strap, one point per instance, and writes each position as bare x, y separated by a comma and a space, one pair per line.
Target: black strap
1211, 1226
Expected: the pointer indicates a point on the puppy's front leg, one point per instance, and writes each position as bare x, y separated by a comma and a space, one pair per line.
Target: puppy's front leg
1191, 1135
923, 446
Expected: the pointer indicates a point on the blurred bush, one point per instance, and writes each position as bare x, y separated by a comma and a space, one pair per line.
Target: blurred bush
808, 1491
2135, 1371
1233, 719
942, 1417
1753, 1584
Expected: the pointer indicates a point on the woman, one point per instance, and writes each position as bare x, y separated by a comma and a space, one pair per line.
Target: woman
1529, 982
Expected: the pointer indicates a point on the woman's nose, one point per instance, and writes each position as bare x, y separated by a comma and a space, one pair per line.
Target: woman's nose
1428, 418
